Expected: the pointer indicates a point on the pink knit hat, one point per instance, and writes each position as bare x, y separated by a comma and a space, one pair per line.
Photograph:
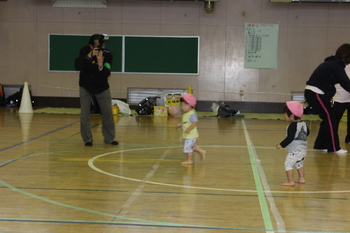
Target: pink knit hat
296, 108
190, 99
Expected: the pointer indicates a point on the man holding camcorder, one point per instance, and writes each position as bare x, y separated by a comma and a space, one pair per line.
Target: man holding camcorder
94, 63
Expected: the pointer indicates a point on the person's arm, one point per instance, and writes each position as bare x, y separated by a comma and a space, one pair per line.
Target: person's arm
84, 58
292, 128
104, 69
104, 63
108, 59
192, 126
100, 59
194, 121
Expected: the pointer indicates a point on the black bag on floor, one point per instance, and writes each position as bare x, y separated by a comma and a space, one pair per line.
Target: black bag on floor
15, 99
226, 111
146, 106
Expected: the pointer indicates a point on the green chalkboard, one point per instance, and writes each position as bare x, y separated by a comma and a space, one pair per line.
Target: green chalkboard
63, 49
177, 55
131, 54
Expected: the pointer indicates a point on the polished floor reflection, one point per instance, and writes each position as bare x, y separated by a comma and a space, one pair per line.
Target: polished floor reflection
51, 182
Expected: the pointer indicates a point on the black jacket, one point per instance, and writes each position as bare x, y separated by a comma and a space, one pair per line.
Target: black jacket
329, 73
90, 77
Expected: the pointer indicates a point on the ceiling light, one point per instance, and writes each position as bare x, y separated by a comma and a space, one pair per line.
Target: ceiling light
209, 6
80, 3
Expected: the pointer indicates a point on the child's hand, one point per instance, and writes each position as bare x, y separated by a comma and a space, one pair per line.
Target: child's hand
188, 130
278, 146
178, 126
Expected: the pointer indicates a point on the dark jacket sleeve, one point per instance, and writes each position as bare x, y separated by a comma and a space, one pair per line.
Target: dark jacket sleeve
83, 60
291, 130
105, 72
108, 58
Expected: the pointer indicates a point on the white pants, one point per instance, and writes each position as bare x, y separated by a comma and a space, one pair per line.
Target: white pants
190, 145
295, 159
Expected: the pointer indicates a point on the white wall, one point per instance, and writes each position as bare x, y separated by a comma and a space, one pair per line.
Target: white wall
308, 33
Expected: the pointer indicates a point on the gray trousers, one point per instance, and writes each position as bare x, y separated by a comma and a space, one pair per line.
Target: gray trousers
104, 101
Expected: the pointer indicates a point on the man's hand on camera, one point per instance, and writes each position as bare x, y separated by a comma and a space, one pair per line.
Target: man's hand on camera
94, 52
100, 57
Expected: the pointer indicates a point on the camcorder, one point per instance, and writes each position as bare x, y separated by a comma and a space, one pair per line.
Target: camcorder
102, 38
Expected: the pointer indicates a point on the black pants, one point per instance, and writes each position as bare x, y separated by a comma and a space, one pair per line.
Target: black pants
327, 137
339, 109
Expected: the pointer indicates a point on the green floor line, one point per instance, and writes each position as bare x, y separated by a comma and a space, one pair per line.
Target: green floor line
261, 194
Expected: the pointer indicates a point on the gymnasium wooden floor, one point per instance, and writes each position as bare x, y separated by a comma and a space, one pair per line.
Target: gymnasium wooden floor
50, 182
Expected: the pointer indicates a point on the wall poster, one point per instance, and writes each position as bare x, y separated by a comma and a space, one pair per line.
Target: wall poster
261, 45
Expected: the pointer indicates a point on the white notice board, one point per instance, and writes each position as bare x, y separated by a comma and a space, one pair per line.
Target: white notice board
261, 45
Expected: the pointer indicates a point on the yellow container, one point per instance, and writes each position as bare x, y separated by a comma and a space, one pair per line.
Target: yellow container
161, 111
115, 110
189, 90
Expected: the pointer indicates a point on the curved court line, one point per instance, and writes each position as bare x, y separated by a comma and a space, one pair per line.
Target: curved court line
156, 183
139, 222
145, 222
91, 164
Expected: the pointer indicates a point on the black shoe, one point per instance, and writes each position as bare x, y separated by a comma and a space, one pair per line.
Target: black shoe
88, 143
114, 143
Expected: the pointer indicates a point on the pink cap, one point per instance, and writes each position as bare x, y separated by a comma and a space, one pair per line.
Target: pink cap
190, 99
296, 108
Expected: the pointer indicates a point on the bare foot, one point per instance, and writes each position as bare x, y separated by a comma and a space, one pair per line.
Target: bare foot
187, 162
289, 184
300, 181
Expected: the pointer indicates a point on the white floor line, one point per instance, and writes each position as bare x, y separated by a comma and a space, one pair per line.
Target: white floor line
138, 190
267, 190
92, 166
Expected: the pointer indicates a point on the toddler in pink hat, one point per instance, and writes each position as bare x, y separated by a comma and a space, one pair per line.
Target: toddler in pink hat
296, 142
189, 126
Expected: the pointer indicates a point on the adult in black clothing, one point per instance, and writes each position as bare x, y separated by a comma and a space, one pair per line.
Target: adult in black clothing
319, 91
94, 63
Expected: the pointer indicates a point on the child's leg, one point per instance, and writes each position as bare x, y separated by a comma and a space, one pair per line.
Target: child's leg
189, 160
188, 149
300, 167
290, 177
288, 167
201, 152
301, 179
